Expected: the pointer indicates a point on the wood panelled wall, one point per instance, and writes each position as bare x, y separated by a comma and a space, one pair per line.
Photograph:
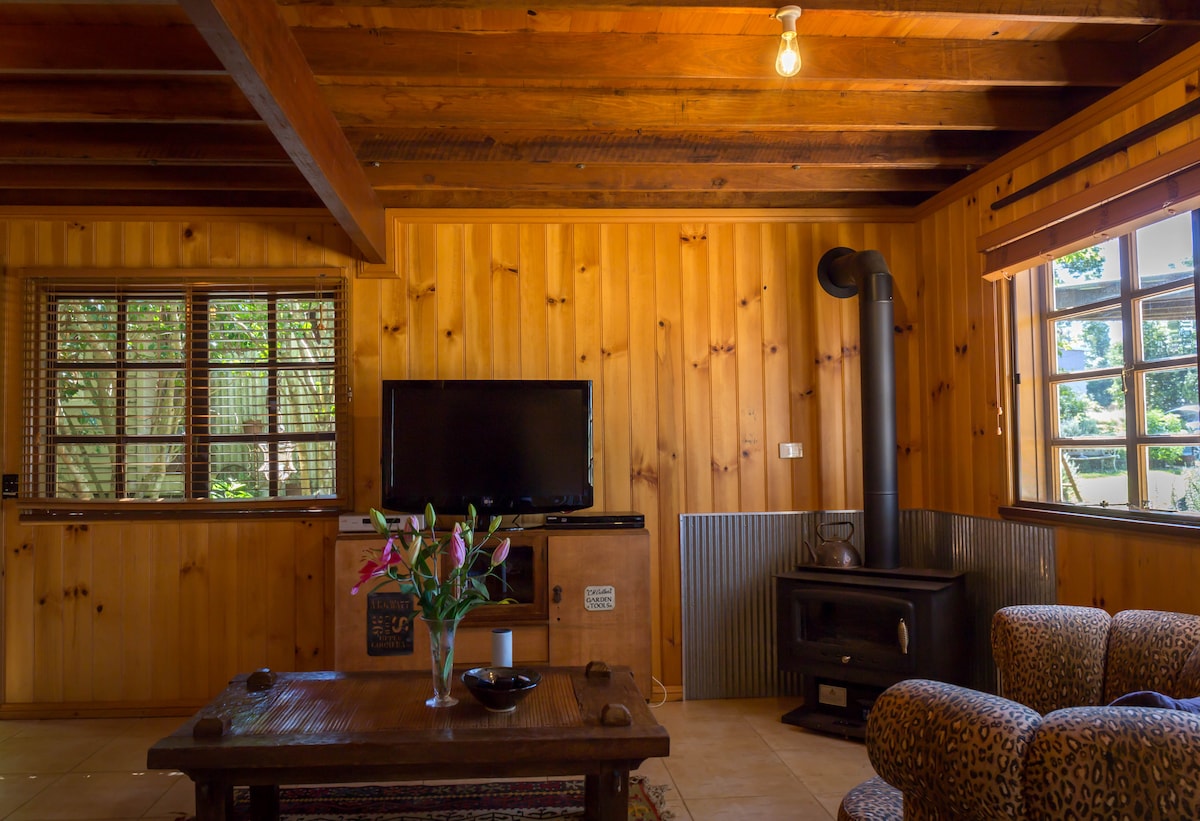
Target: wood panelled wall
708, 339
967, 461
113, 616
708, 342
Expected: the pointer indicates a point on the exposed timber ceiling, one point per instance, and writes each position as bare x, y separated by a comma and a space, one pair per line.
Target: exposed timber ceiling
358, 105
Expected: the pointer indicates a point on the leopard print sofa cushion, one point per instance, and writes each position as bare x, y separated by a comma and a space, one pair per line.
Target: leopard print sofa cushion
1051, 656
1151, 650
953, 752
1132, 763
872, 800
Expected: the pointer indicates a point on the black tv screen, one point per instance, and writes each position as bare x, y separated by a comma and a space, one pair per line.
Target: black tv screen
505, 446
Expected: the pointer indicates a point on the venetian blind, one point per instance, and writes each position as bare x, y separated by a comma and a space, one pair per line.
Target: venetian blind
152, 392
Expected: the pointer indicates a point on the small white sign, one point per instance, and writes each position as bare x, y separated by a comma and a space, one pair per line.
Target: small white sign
600, 597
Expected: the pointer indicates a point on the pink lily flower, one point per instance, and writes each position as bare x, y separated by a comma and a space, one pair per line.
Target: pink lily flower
410, 525
370, 570
500, 553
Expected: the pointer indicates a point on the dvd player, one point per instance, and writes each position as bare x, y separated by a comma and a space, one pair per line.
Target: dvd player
624, 518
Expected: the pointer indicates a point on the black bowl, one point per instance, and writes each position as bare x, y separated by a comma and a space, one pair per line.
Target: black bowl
500, 688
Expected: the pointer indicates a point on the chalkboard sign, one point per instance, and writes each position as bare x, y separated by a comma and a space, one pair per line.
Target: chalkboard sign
389, 624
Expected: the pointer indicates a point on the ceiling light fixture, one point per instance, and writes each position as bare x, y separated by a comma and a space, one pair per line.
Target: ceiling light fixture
787, 63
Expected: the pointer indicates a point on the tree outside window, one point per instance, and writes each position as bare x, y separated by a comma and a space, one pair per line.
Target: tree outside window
1118, 384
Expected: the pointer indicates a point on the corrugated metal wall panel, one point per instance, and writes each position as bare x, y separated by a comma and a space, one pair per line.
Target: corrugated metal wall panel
728, 564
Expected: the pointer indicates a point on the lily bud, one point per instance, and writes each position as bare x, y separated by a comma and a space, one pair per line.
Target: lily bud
500, 553
458, 549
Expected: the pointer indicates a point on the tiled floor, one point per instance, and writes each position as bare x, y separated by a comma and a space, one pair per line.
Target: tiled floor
731, 760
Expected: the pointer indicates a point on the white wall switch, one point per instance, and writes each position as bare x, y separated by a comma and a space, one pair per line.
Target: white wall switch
791, 450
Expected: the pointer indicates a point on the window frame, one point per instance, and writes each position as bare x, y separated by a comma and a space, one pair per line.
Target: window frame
35, 493
1033, 343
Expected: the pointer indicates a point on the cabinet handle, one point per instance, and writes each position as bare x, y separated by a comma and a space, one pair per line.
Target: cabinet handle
902, 636
558, 594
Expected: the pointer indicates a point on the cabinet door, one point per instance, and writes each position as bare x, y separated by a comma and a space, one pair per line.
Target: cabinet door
600, 600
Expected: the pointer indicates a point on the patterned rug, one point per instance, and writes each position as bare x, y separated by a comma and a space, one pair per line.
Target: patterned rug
502, 801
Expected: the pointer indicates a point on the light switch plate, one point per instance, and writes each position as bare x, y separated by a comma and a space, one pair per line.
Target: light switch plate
791, 450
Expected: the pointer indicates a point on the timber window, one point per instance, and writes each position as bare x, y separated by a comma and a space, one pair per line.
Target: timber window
1108, 414
149, 393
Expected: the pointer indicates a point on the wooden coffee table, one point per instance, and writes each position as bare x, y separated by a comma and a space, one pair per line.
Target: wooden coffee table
269, 729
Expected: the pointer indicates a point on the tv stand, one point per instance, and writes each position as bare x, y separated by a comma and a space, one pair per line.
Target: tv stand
591, 602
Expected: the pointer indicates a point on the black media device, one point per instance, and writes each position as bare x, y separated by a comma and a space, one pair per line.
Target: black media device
603, 519
506, 446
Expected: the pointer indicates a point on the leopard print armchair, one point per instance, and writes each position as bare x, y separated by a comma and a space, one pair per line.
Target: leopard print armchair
1055, 656
1046, 748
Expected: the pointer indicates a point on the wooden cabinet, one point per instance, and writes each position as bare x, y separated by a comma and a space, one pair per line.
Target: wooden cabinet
590, 602
600, 599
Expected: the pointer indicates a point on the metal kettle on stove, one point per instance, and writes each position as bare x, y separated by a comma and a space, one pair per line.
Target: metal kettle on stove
832, 552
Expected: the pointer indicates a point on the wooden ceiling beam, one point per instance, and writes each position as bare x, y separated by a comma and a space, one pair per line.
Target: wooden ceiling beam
867, 149
142, 199
61, 48
141, 143
126, 177
76, 98
501, 176
1072, 11
257, 48
640, 60
564, 109
650, 199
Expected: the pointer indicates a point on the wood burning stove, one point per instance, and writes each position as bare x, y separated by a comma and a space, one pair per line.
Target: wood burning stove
854, 632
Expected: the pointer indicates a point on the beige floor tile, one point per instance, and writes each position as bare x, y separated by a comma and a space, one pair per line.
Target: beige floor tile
73, 728
179, 801
123, 754
713, 773
47, 754
80, 795
16, 790
797, 807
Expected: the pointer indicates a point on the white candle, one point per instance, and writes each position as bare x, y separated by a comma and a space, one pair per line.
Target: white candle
502, 647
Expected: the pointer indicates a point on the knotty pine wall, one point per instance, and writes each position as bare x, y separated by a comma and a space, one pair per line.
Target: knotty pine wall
707, 338
106, 617
966, 462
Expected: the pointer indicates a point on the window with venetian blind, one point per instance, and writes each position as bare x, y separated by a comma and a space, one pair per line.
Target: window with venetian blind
151, 392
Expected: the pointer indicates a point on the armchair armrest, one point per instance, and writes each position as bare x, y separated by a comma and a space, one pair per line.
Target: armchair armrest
953, 752
1051, 656
1114, 762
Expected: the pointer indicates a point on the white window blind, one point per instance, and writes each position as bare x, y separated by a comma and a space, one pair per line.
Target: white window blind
158, 392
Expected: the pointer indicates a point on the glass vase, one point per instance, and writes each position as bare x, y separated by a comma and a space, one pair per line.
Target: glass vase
441, 648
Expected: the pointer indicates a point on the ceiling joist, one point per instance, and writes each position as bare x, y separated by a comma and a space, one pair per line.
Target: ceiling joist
258, 50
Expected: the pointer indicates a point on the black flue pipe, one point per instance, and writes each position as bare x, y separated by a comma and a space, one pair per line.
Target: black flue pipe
843, 273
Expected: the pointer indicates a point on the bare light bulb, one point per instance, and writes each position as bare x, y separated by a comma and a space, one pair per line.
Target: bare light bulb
787, 63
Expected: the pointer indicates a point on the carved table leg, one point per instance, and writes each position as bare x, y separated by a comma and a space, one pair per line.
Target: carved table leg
606, 795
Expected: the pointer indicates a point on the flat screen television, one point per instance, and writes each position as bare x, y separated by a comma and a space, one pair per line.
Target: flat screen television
505, 446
